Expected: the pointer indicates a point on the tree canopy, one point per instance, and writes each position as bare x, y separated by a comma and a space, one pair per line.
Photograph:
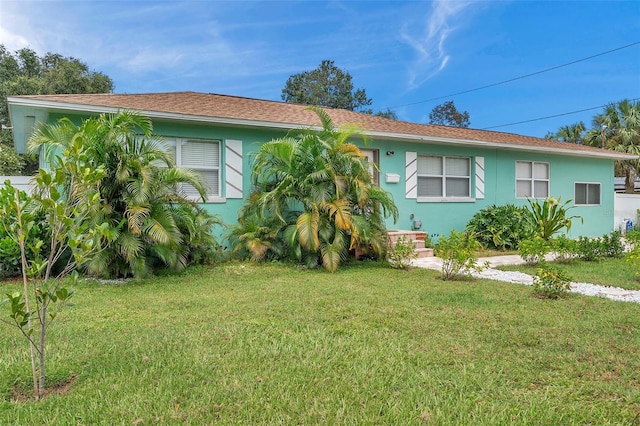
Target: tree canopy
326, 86
573, 133
616, 128
26, 73
447, 114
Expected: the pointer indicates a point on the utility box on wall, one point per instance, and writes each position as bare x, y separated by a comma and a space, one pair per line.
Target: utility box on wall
392, 178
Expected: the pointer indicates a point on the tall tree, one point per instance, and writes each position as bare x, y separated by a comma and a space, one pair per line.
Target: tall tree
327, 86
314, 199
447, 114
25, 73
618, 128
573, 133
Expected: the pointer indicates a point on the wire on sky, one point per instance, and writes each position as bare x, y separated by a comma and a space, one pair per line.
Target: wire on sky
550, 116
522, 76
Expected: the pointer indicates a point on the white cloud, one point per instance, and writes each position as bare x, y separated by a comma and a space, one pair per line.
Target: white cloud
12, 41
429, 42
16, 29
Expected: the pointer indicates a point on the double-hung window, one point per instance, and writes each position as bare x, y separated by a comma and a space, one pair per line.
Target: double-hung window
202, 157
444, 177
532, 179
587, 194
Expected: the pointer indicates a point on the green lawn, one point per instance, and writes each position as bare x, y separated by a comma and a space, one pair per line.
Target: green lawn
615, 272
276, 344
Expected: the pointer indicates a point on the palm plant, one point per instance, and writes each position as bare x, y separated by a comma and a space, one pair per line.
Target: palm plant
572, 133
315, 192
141, 192
618, 129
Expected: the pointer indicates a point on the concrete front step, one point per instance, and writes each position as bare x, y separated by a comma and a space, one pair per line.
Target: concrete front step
417, 237
424, 252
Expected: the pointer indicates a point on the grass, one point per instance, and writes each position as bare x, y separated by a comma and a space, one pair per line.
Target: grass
488, 252
614, 272
276, 344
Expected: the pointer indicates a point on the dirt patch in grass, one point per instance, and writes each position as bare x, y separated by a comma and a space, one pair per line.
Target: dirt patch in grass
22, 395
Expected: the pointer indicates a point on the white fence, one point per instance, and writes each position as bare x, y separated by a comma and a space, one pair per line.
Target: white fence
625, 207
20, 182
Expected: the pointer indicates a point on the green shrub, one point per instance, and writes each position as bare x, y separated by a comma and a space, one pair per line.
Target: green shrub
534, 250
633, 256
401, 253
551, 282
500, 227
565, 248
633, 260
612, 244
590, 249
457, 252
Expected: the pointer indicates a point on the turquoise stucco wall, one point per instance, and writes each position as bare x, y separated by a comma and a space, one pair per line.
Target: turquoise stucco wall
437, 217
441, 217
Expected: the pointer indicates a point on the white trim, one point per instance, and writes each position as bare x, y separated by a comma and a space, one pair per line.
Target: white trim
58, 105
445, 200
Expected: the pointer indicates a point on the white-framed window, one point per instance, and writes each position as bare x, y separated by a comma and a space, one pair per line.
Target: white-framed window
444, 177
372, 156
587, 194
203, 157
532, 179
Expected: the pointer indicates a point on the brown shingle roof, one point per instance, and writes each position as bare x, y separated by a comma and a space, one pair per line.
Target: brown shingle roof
214, 106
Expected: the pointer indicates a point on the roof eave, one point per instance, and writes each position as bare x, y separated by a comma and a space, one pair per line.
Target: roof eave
64, 106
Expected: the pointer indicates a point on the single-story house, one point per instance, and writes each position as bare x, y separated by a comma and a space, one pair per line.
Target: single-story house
439, 176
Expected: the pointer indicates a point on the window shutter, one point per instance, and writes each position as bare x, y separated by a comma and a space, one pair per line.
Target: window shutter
411, 174
480, 177
233, 168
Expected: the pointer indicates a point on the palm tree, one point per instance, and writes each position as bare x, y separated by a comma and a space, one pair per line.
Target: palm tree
315, 193
618, 129
141, 192
572, 133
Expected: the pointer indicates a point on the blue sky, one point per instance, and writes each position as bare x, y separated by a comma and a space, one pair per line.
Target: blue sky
401, 53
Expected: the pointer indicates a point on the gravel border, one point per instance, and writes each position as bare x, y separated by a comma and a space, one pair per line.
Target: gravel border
587, 289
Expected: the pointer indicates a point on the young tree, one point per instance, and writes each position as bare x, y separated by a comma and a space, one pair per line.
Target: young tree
314, 196
327, 86
447, 114
69, 197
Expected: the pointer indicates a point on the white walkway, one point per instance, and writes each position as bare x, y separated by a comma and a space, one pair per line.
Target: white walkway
613, 293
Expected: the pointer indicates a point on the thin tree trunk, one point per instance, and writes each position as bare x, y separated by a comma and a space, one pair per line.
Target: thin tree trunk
23, 261
43, 335
630, 180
